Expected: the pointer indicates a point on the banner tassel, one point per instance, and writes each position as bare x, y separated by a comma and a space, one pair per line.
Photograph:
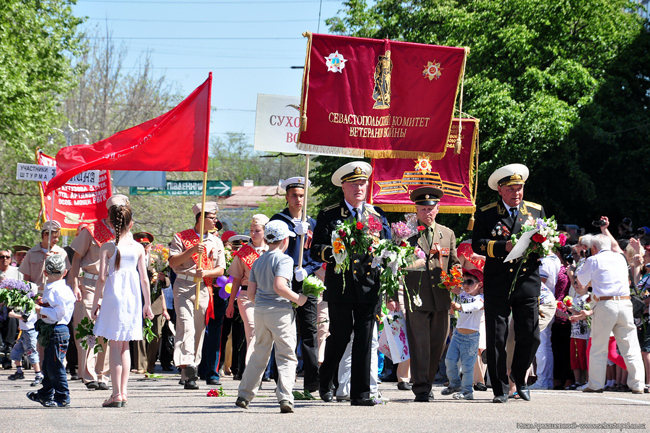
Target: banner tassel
470, 224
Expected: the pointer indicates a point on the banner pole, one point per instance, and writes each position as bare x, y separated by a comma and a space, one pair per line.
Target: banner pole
304, 209
49, 237
202, 227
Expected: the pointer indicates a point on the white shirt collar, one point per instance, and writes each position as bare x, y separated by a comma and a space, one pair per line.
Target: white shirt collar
350, 207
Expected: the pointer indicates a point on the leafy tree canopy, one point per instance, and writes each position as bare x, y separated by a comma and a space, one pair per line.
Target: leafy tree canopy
559, 85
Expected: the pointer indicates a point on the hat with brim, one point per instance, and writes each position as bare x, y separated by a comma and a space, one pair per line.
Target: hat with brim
352, 171
259, 219
294, 182
239, 239
143, 237
51, 225
210, 207
426, 196
474, 273
20, 249
276, 231
511, 174
117, 200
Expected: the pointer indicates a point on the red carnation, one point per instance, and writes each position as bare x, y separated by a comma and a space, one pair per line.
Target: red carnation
560, 306
403, 244
359, 225
370, 249
353, 242
562, 237
342, 233
538, 238
420, 228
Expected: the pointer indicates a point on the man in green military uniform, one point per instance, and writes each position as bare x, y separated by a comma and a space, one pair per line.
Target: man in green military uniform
495, 223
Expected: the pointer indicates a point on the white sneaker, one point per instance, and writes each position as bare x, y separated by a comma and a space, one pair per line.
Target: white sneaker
463, 396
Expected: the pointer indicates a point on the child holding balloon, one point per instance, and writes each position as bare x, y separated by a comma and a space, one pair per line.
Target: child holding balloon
240, 269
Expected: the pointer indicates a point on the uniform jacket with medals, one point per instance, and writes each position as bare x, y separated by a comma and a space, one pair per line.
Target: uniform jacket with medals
492, 230
440, 256
361, 281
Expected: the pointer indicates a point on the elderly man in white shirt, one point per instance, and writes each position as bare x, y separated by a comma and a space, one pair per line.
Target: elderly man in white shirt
608, 275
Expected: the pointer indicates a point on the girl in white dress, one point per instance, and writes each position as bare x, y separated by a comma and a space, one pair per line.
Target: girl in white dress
122, 275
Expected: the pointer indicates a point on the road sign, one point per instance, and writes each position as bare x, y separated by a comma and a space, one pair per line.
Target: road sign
44, 173
187, 187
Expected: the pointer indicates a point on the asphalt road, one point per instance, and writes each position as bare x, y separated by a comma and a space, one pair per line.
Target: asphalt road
161, 405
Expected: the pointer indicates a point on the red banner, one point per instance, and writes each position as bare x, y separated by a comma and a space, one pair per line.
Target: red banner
393, 180
75, 204
378, 98
175, 141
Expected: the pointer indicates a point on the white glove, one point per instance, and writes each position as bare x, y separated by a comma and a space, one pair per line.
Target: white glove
300, 274
301, 228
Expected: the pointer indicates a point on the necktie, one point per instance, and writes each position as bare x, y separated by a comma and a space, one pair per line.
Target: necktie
355, 213
429, 235
513, 212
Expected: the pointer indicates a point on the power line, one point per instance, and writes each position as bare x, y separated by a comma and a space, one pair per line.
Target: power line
196, 38
201, 21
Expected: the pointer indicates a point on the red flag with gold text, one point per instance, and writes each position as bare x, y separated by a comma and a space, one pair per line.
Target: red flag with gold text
174, 141
378, 98
393, 180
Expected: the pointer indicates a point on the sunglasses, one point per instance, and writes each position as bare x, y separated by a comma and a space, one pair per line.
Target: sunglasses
469, 282
5, 257
214, 218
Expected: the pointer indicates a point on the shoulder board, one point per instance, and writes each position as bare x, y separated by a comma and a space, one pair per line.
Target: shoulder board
488, 206
533, 205
328, 208
372, 209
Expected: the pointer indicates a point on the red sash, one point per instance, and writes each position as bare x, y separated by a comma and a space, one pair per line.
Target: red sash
189, 239
99, 232
248, 255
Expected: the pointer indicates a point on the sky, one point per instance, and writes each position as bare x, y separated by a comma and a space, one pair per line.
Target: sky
249, 45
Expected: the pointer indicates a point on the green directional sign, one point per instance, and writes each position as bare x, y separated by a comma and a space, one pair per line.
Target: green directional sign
187, 187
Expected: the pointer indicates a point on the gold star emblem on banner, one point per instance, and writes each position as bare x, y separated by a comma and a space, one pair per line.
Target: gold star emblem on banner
432, 70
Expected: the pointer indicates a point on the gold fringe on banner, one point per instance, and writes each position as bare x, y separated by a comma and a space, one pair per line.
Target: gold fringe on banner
331, 150
305, 88
411, 208
403, 154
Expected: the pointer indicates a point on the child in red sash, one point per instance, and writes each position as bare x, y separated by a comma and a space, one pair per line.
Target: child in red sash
240, 269
184, 260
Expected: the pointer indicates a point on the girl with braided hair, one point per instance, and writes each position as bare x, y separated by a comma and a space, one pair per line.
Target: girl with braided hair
122, 274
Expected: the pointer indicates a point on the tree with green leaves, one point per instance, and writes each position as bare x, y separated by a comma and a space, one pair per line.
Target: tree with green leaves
559, 85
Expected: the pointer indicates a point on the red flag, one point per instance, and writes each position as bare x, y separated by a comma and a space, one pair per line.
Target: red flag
393, 180
175, 141
378, 98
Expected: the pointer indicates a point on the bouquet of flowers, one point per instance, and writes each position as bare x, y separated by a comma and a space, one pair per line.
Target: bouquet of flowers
160, 262
17, 295
351, 237
227, 251
544, 240
569, 305
86, 337
312, 285
393, 260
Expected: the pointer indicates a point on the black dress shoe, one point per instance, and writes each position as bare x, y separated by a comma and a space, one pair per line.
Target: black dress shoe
191, 384
182, 382
480, 387
364, 402
500, 399
167, 368
213, 382
236, 377
423, 397
92, 385
326, 395
74, 377
102, 386
404, 386
522, 390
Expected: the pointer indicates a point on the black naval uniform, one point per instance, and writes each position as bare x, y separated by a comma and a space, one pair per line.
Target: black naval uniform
492, 229
351, 308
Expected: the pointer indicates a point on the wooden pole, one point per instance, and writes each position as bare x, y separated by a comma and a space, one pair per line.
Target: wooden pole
304, 210
49, 238
202, 228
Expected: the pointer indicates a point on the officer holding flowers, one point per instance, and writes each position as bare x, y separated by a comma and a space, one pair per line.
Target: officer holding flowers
509, 287
352, 294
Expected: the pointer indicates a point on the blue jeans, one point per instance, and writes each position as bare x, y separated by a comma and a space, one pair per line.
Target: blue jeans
55, 382
26, 345
212, 340
463, 347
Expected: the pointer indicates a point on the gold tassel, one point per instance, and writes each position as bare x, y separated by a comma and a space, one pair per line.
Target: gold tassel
470, 224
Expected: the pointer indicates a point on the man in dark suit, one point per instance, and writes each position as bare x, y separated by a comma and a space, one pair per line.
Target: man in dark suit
427, 325
495, 223
353, 304
292, 215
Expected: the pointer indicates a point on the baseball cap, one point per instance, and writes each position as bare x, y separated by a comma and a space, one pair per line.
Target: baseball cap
276, 230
